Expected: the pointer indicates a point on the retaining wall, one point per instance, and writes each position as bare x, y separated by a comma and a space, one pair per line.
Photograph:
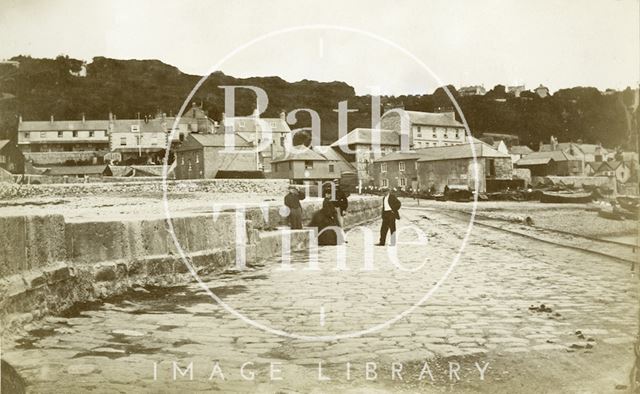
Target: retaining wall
47, 264
257, 186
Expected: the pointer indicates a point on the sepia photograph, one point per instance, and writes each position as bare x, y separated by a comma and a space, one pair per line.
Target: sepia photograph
367, 196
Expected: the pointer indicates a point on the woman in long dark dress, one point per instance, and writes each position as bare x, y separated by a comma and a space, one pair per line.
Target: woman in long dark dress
324, 218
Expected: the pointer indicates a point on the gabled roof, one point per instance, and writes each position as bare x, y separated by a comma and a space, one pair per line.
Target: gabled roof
596, 165
79, 170
3, 143
332, 154
463, 151
432, 119
537, 158
302, 153
520, 150
614, 164
362, 136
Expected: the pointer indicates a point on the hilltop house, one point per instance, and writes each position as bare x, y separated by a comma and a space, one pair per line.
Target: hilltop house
202, 156
476, 90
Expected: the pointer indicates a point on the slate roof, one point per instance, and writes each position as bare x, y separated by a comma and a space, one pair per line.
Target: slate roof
463, 151
362, 136
520, 150
433, 119
538, 158
45, 125
303, 153
217, 140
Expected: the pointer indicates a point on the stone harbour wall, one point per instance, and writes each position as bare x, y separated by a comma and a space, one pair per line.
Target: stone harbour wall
47, 265
256, 186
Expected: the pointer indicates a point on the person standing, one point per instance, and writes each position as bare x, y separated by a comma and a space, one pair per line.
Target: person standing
292, 201
341, 205
390, 208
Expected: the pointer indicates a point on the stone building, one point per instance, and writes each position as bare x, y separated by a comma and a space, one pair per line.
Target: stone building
426, 129
63, 141
252, 129
397, 170
455, 166
558, 163
201, 156
435, 168
309, 164
362, 146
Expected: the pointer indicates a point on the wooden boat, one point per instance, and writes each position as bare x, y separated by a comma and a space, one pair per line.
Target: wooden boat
629, 203
610, 214
575, 198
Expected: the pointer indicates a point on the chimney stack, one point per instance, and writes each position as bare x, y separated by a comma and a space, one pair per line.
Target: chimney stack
110, 116
19, 118
83, 119
283, 116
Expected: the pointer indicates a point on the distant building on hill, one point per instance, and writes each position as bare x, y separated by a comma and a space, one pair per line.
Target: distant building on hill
541, 91
476, 90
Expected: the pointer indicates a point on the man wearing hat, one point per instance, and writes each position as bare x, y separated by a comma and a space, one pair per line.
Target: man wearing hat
292, 201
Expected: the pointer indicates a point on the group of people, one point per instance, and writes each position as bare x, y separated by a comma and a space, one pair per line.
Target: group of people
334, 207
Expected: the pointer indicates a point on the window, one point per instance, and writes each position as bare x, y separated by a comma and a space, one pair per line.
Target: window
331, 167
308, 164
492, 167
75, 134
26, 136
290, 165
403, 182
60, 133
3, 159
401, 166
385, 183
123, 141
135, 128
383, 167
282, 141
138, 138
435, 135
197, 158
181, 159
91, 134
43, 134
457, 133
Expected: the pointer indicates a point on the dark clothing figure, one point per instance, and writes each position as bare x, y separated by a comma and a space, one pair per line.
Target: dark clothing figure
324, 218
390, 208
341, 205
292, 201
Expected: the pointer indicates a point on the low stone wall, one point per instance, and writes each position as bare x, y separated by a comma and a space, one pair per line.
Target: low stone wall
47, 264
255, 186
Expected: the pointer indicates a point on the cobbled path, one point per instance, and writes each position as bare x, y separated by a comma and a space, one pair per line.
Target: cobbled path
536, 315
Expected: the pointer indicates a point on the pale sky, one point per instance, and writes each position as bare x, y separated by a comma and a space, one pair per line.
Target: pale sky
556, 43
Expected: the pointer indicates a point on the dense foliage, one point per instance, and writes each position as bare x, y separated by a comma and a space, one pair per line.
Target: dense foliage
40, 88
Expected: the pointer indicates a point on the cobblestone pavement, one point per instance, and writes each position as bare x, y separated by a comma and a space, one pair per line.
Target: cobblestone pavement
531, 316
